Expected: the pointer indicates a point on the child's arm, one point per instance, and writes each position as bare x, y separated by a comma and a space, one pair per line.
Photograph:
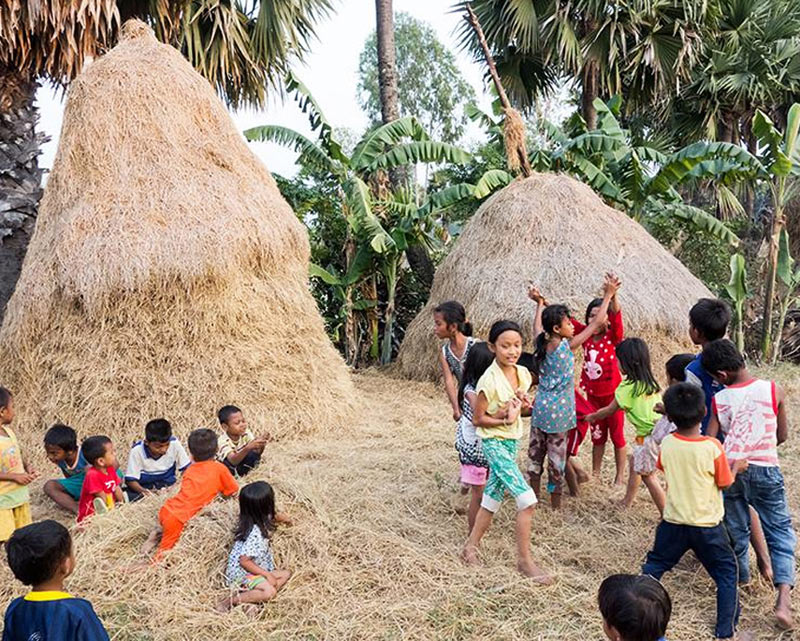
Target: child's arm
783, 421
483, 419
604, 413
21, 478
136, 487
450, 386
713, 424
119, 497
614, 306
536, 296
251, 567
591, 328
283, 517
237, 456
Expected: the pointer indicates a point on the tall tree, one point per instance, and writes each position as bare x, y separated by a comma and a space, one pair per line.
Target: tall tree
387, 61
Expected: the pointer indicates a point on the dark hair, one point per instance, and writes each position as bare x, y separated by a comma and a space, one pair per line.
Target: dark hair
551, 316
62, 436
685, 405
596, 302
638, 607
94, 448
721, 356
501, 327
478, 361
634, 357
224, 414
454, 313
256, 508
158, 430
203, 444
35, 551
5, 397
676, 366
710, 317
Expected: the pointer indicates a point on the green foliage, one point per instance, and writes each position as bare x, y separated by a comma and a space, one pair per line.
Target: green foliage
738, 293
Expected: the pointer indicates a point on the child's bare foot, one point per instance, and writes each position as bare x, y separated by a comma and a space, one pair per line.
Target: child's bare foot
619, 480
555, 501
740, 636
151, 543
583, 477
534, 572
783, 614
224, 605
469, 555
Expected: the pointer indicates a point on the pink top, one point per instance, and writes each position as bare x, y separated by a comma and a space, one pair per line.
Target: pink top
748, 417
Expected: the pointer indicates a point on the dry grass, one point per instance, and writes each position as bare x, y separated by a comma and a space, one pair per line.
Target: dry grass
375, 545
555, 232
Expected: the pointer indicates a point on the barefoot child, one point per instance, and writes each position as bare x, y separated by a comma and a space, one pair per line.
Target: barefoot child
634, 608
474, 466
251, 568
239, 449
154, 463
450, 324
15, 473
751, 413
498, 419
102, 487
61, 447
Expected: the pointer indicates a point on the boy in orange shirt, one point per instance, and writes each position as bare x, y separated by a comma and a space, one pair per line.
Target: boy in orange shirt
201, 482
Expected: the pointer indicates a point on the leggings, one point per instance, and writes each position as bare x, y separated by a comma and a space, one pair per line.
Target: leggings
504, 475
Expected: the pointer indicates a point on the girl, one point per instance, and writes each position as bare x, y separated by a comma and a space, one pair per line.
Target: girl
637, 396
502, 397
450, 324
474, 467
600, 378
251, 568
554, 409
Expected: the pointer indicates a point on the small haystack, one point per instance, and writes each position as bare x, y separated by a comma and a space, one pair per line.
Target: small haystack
166, 276
554, 231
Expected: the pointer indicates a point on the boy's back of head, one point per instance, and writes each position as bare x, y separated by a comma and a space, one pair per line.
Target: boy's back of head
158, 431
676, 366
203, 444
62, 436
685, 405
224, 414
721, 356
36, 551
710, 318
94, 448
637, 607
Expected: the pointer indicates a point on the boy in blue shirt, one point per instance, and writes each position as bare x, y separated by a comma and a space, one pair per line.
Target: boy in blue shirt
153, 464
40, 555
61, 446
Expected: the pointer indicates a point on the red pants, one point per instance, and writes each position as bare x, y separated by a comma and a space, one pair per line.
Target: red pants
614, 425
172, 527
576, 435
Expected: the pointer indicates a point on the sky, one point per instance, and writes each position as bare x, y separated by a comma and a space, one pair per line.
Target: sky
330, 72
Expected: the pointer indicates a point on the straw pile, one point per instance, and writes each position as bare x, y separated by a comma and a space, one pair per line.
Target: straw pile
166, 276
554, 231
375, 547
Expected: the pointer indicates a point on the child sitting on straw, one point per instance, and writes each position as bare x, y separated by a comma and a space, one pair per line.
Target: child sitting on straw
41, 556
251, 566
153, 464
15, 473
239, 449
102, 486
61, 447
450, 324
634, 608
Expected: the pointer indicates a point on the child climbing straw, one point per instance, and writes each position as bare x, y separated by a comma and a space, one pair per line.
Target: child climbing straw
502, 397
450, 324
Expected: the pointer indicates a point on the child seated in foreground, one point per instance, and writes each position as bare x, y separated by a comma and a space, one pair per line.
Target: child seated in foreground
61, 447
202, 481
102, 487
239, 449
15, 473
634, 608
40, 555
153, 463
251, 567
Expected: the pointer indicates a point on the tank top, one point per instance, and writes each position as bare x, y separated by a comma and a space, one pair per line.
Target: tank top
455, 364
748, 416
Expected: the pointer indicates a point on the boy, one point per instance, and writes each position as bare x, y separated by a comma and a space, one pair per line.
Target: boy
101, 487
200, 485
696, 470
239, 449
15, 473
751, 413
634, 608
40, 555
61, 447
154, 462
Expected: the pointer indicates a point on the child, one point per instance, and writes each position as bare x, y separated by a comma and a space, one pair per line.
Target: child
600, 378
696, 470
239, 449
251, 568
102, 487
15, 473
751, 413
61, 447
637, 396
154, 462
474, 466
450, 324
202, 481
40, 555
554, 407
634, 608
502, 396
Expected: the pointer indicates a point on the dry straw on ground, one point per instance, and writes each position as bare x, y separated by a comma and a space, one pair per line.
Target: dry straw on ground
375, 547
167, 276
555, 232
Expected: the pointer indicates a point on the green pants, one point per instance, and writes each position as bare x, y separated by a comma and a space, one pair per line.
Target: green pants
504, 475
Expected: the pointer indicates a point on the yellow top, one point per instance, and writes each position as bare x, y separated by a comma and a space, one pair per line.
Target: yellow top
47, 595
497, 389
11, 494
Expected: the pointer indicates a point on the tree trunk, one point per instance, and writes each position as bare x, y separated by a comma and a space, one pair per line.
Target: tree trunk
769, 290
387, 64
20, 175
421, 264
588, 94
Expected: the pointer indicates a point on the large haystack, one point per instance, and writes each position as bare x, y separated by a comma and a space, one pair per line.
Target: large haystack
167, 275
556, 232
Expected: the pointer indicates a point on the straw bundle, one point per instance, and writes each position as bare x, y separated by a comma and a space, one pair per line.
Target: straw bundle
166, 275
555, 232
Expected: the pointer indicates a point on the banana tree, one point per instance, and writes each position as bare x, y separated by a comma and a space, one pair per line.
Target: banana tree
790, 278
737, 290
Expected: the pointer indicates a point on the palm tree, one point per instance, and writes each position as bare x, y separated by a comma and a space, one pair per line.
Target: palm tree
241, 48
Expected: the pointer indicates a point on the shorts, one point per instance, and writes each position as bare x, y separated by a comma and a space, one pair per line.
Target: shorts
72, 485
474, 475
645, 455
613, 426
13, 519
250, 581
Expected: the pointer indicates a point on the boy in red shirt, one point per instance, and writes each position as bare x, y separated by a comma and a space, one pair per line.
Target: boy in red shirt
201, 482
101, 486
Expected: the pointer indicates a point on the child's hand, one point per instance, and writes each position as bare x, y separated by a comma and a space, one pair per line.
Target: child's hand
24, 478
591, 418
739, 466
659, 407
513, 409
535, 295
456, 414
525, 399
